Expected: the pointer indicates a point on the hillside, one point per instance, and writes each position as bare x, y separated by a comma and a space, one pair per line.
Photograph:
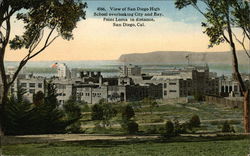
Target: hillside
181, 57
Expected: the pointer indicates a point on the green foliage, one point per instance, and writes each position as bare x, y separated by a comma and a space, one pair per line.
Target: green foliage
58, 15
180, 128
104, 112
129, 125
97, 112
47, 117
226, 128
195, 121
199, 97
42, 117
220, 16
17, 112
132, 127
38, 98
176, 128
181, 146
169, 131
72, 111
72, 108
151, 102
128, 113
108, 113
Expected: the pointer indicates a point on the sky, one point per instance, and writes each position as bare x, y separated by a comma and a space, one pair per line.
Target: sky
95, 39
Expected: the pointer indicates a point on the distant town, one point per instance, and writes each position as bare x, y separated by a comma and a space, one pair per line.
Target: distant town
190, 82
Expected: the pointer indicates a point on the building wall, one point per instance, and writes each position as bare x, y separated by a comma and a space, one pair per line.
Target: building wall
186, 87
32, 85
171, 89
116, 93
63, 71
64, 89
138, 93
231, 102
130, 70
229, 86
91, 94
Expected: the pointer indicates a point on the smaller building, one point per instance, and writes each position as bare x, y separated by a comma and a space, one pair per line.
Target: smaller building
130, 70
92, 93
140, 92
64, 89
62, 70
229, 87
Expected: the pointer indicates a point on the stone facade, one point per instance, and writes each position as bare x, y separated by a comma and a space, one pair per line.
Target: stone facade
31, 84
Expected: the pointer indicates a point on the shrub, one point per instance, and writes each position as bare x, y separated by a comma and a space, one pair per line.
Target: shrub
72, 110
199, 97
104, 112
42, 117
132, 127
180, 128
152, 130
169, 129
128, 113
195, 121
226, 128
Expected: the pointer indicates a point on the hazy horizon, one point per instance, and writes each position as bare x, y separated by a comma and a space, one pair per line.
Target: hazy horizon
117, 59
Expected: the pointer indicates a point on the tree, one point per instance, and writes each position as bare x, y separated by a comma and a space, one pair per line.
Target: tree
129, 125
226, 128
127, 113
169, 129
132, 127
72, 110
195, 121
44, 21
151, 102
48, 117
17, 112
38, 98
42, 117
108, 113
97, 112
221, 18
103, 112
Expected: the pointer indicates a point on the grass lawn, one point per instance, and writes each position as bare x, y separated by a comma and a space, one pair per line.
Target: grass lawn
212, 117
179, 146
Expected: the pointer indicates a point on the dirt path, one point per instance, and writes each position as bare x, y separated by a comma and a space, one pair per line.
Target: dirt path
67, 137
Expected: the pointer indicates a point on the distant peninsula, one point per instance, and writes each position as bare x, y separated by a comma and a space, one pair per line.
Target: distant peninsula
173, 57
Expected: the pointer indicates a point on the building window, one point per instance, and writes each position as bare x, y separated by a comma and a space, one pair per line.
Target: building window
23, 84
165, 85
236, 88
172, 83
172, 91
40, 85
226, 89
230, 88
222, 89
165, 92
32, 85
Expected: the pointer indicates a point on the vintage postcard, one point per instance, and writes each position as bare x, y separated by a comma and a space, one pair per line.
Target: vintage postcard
124, 77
